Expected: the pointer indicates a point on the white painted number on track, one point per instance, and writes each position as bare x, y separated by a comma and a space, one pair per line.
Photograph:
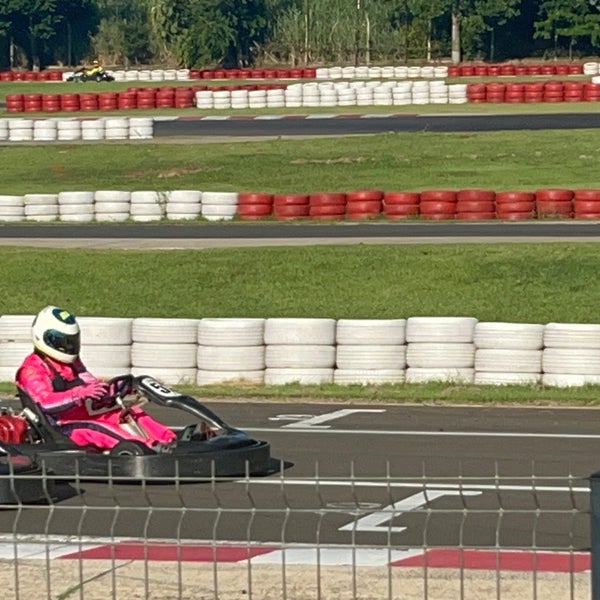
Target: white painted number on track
375, 522
315, 422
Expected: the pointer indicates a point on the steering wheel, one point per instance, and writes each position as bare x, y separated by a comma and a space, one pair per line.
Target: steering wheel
121, 385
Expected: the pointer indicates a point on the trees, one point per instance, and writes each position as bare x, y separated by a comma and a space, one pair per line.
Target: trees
571, 19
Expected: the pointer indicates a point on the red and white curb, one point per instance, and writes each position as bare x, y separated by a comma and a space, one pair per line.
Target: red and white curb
287, 117
267, 554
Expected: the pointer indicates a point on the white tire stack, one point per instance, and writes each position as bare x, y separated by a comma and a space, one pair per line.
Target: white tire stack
401, 72
231, 350
45, 130
141, 128
132, 75
440, 349
183, 204
275, 98
147, 206
170, 74
106, 345
239, 99
157, 75
402, 94
20, 130
68, 130
12, 208
299, 350
508, 353
457, 93
571, 354
116, 128
41, 207
15, 343
382, 96
222, 99
370, 351
219, 206
257, 99
76, 207
119, 75
293, 95
112, 205
165, 349
92, 130
144, 75
322, 73
3, 130
590, 68
420, 92
364, 96
438, 92
183, 74
204, 99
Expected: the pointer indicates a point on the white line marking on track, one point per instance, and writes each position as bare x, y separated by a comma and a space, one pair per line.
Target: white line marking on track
338, 414
429, 485
483, 434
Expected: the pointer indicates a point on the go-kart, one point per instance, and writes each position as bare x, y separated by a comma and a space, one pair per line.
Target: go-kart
205, 449
83, 75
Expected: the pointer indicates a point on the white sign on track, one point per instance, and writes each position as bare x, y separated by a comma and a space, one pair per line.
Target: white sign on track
376, 521
316, 421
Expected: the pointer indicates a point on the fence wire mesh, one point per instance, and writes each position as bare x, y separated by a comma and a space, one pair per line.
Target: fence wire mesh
297, 537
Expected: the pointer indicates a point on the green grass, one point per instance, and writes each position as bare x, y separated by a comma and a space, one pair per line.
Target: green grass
514, 282
395, 161
536, 283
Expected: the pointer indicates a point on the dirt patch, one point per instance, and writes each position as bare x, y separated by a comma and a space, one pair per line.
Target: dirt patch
168, 173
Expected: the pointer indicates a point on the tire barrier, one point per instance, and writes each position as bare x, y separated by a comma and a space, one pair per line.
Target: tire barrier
336, 93
511, 69
534, 92
63, 130
176, 205
276, 351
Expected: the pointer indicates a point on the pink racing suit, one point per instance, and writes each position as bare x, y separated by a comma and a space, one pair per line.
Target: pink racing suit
53, 385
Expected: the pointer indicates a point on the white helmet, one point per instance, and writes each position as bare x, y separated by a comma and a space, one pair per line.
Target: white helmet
56, 334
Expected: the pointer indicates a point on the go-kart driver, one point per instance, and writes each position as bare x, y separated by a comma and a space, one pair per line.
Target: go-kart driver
83, 406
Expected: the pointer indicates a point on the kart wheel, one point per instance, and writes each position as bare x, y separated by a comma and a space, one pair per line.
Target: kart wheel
130, 448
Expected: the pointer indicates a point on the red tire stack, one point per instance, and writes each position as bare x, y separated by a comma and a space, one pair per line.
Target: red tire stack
253, 206
146, 98
573, 91
480, 70
586, 204
88, 102
476, 92
364, 204
438, 205
554, 91
515, 93
591, 92
291, 206
14, 103
51, 102
32, 102
108, 101
533, 92
165, 97
475, 205
69, 102
495, 92
508, 69
6, 76
327, 206
184, 97
515, 206
554, 203
401, 205
126, 100
467, 70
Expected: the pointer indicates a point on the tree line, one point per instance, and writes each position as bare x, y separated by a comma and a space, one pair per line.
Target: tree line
203, 33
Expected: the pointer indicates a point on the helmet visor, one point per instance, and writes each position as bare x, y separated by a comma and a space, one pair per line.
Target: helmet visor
67, 343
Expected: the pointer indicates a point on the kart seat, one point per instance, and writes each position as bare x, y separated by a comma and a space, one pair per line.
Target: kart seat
42, 422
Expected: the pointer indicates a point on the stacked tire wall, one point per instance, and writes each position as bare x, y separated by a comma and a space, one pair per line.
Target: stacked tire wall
428, 205
278, 351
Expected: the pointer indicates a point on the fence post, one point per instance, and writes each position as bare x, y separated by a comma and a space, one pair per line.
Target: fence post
595, 533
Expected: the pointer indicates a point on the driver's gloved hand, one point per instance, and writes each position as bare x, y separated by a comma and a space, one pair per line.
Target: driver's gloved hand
121, 387
95, 390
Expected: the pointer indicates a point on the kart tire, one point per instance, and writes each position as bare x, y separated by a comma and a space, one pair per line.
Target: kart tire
130, 448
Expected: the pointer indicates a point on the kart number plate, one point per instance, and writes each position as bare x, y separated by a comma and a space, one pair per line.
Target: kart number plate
159, 388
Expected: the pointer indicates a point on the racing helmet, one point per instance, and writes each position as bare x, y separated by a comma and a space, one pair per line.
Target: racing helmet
55, 333
95, 63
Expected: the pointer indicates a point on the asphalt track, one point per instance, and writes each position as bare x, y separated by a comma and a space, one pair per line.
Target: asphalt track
348, 124
480, 459
352, 465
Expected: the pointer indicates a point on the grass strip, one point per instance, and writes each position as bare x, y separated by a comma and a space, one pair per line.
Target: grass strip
396, 161
537, 283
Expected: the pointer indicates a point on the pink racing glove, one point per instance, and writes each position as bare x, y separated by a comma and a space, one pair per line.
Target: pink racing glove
95, 390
